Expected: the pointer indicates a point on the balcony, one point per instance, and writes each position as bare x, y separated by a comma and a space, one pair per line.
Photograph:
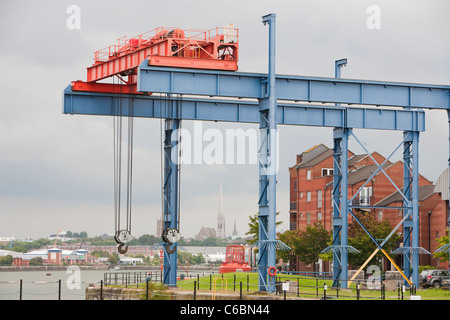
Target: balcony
361, 201
293, 206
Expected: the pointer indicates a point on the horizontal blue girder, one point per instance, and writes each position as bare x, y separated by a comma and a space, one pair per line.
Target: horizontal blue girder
292, 88
237, 110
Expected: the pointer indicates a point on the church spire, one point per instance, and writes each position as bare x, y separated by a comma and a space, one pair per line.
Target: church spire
220, 216
234, 234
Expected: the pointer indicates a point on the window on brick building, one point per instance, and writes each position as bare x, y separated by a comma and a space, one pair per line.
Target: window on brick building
301, 195
308, 174
380, 215
319, 198
308, 196
308, 217
319, 216
364, 196
327, 172
295, 185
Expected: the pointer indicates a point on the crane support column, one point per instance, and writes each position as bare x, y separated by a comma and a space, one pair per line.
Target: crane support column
340, 207
415, 210
407, 184
411, 249
171, 197
267, 159
448, 116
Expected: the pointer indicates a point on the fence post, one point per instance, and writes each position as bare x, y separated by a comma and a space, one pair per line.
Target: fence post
240, 290
298, 287
357, 290
198, 281
146, 289
101, 289
317, 287
248, 283
324, 291
195, 290
210, 282
383, 291
59, 289
234, 282
20, 290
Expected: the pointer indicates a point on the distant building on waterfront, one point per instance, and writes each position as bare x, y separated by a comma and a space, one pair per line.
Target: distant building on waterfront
205, 233
54, 256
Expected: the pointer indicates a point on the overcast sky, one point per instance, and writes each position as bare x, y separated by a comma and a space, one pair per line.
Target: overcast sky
56, 171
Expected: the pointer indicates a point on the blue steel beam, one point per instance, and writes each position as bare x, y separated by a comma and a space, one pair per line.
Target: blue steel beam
415, 208
267, 162
340, 205
171, 198
448, 221
291, 88
407, 214
89, 103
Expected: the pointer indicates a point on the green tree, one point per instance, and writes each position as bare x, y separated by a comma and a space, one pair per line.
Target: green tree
114, 258
253, 226
36, 261
310, 242
18, 247
100, 253
361, 241
189, 258
198, 259
6, 260
156, 261
145, 240
442, 256
290, 238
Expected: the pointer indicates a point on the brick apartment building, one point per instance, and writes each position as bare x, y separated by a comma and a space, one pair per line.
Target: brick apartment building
311, 185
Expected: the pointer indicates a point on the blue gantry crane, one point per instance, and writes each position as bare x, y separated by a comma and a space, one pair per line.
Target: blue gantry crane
198, 94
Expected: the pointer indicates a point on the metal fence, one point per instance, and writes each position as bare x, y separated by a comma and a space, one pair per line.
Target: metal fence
239, 285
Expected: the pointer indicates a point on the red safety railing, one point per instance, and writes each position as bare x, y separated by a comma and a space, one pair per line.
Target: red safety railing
222, 35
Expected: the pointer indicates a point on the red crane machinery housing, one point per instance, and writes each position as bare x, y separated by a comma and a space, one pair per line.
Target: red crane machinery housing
234, 260
215, 49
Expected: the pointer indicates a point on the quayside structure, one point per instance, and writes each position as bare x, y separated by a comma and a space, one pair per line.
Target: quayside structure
213, 90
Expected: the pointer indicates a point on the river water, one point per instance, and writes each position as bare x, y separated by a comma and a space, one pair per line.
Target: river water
44, 285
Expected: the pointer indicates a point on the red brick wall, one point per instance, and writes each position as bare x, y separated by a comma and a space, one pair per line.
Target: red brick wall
381, 187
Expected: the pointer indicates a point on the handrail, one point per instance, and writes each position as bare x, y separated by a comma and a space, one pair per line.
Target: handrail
153, 36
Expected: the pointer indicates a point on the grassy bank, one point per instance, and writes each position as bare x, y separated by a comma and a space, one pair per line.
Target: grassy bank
308, 288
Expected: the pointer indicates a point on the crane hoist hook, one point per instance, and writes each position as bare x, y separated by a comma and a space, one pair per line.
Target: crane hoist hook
122, 248
170, 236
122, 237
